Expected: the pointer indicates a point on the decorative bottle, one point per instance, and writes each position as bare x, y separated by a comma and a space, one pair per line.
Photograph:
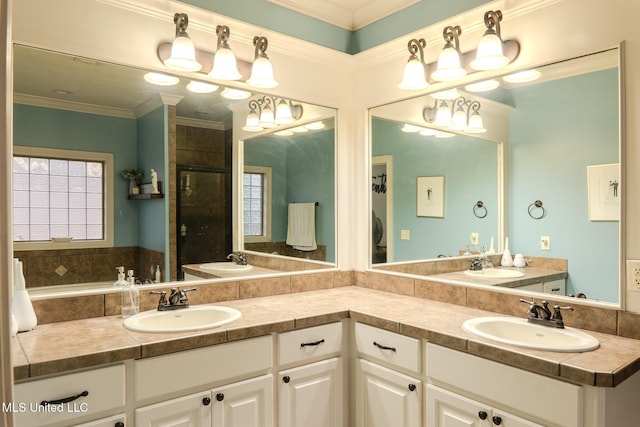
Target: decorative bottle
506, 260
130, 296
158, 274
21, 303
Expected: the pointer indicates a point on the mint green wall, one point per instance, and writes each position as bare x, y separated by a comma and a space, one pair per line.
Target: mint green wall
61, 129
557, 130
470, 168
286, 21
153, 214
303, 170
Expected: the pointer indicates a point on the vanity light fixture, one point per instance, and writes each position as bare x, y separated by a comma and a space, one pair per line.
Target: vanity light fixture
285, 132
489, 55
492, 53
315, 125
261, 70
224, 61
299, 129
442, 134
263, 116
407, 128
201, 87
160, 79
235, 94
483, 86
428, 132
449, 60
460, 114
183, 53
414, 77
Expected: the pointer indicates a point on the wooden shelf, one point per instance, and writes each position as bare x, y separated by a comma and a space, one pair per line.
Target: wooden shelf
145, 196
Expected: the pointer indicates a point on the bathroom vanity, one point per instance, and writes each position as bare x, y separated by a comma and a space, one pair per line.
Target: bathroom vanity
335, 357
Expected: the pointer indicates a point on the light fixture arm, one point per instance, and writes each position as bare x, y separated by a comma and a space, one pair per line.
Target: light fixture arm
261, 43
223, 34
473, 108
182, 22
451, 36
416, 46
429, 113
492, 21
254, 106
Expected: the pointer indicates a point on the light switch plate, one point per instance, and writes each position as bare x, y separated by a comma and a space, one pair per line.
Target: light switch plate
545, 243
475, 238
405, 234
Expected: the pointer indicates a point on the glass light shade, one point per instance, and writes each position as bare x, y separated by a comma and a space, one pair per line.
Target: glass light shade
285, 132
224, 65
413, 77
201, 87
183, 55
300, 129
315, 125
483, 86
267, 120
489, 55
522, 76
475, 124
441, 134
160, 79
446, 94
459, 120
428, 132
283, 113
448, 66
252, 122
262, 74
410, 128
230, 93
443, 115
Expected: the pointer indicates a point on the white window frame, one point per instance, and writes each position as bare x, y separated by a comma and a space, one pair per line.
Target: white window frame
107, 158
266, 236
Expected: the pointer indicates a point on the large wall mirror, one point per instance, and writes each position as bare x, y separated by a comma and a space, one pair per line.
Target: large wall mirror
547, 166
69, 109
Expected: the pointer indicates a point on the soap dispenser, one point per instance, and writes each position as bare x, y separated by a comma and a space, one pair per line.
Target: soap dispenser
130, 296
21, 306
120, 282
158, 274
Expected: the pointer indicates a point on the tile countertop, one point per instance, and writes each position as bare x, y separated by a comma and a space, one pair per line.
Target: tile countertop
59, 347
195, 270
531, 275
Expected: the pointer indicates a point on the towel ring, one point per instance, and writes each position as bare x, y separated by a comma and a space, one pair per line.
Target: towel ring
536, 205
478, 209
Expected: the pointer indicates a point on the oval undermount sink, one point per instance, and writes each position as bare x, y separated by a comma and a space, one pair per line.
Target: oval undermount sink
225, 267
495, 273
182, 320
521, 333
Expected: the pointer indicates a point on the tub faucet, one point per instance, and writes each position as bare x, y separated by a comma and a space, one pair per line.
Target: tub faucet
238, 257
542, 315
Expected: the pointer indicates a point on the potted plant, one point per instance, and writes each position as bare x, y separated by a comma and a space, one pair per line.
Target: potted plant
133, 175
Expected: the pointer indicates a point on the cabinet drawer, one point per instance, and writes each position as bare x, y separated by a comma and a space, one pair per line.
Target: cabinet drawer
160, 375
298, 346
557, 287
390, 347
104, 387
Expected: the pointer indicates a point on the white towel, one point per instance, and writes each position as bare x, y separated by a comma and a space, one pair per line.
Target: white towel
301, 231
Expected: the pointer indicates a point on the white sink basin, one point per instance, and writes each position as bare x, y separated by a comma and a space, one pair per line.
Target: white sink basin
225, 267
521, 333
182, 320
495, 273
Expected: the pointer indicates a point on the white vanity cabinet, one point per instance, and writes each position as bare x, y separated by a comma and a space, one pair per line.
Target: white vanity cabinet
193, 410
246, 403
311, 391
119, 420
71, 398
387, 396
556, 287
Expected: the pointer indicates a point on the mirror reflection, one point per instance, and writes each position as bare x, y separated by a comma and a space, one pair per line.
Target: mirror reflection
160, 200
560, 162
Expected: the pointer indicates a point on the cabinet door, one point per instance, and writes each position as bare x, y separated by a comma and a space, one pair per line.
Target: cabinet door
188, 411
312, 395
114, 421
447, 409
386, 398
244, 404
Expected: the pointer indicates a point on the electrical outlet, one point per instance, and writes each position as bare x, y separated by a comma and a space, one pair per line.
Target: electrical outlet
545, 243
633, 275
475, 237
405, 234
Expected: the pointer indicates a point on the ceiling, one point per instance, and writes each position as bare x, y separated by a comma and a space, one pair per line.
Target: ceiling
349, 14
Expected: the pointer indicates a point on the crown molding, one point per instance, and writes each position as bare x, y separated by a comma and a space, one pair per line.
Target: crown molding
79, 107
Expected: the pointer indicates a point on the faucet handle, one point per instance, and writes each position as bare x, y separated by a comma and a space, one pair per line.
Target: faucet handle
163, 297
557, 315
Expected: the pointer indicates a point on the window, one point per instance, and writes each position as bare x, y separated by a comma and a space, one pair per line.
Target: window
257, 204
60, 193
